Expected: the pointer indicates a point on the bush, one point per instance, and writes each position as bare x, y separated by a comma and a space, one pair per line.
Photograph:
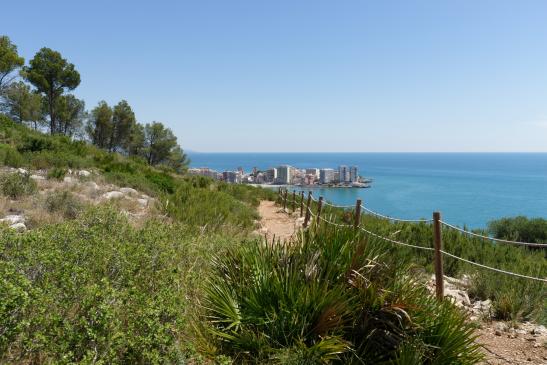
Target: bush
63, 202
16, 185
57, 173
209, 208
329, 298
518, 299
10, 157
98, 290
520, 229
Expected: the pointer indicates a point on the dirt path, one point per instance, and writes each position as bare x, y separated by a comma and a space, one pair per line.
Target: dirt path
276, 223
509, 346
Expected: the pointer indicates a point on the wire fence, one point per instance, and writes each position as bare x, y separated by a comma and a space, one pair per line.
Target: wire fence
437, 223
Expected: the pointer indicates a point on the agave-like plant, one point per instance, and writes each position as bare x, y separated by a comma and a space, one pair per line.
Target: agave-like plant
329, 297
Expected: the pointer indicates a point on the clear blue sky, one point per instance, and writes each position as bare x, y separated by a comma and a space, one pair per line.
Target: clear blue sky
309, 75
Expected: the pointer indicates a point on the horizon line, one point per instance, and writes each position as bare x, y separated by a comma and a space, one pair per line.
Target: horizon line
341, 152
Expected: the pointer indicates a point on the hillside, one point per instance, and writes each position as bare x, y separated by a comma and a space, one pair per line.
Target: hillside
122, 262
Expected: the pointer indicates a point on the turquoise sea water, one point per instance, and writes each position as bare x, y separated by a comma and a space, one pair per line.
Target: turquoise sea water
467, 188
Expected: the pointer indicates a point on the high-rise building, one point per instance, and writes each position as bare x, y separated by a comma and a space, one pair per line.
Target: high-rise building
232, 177
284, 174
270, 175
344, 174
313, 171
353, 174
326, 176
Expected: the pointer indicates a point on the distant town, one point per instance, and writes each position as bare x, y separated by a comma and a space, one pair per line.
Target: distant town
344, 176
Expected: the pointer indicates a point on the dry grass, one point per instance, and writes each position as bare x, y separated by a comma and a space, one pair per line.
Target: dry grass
36, 208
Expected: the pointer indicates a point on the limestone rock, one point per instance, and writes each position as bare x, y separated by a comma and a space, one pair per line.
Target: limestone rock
92, 185
143, 202
84, 173
460, 296
13, 219
19, 227
37, 177
22, 171
69, 180
113, 195
128, 191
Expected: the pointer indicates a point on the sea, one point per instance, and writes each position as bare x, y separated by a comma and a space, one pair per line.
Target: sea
469, 189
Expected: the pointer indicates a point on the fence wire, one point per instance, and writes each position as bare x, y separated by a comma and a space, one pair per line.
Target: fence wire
396, 219
544, 280
529, 244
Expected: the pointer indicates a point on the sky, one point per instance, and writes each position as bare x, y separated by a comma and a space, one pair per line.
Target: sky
304, 76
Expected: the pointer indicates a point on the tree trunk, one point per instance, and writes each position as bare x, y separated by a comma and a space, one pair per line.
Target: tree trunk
51, 114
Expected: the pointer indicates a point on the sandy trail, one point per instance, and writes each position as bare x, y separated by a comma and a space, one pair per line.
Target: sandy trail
277, 223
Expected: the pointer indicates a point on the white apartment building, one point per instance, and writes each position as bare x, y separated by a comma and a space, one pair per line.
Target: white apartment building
326, 176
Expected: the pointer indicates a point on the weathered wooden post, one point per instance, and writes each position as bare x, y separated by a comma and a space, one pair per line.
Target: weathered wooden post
301, 203
319, 207
293, 201
357, 214
308, 209
439, 274
285, 200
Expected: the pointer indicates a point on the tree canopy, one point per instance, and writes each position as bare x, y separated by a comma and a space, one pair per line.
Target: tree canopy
41, 98
21, 104
9, 61
52, 75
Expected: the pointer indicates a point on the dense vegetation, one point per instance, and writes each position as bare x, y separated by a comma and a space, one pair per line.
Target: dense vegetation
520, 228
513, 298
331, 296
38, 97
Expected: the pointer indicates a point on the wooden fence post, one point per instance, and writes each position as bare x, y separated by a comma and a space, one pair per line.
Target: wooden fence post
308, 209
319, 207
439, 274
293, 201
357, 214
285, 200
301, 203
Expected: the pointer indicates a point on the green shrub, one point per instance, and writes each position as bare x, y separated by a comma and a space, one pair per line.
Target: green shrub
16, 185
46, 159
10, 157
63, 202
329, 298
209, 208
526, 297
35, 143
57, 173
98, 290
15, 294
520, 229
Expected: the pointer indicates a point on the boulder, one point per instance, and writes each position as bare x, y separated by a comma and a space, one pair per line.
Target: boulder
113, 195
460, 296
22, 171
129, 191
37, 177
84, 173
143, 202
13, 219
92, 185
19, 227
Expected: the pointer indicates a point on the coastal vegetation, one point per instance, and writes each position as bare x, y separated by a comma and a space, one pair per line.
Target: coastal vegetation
520, 228
194, 284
